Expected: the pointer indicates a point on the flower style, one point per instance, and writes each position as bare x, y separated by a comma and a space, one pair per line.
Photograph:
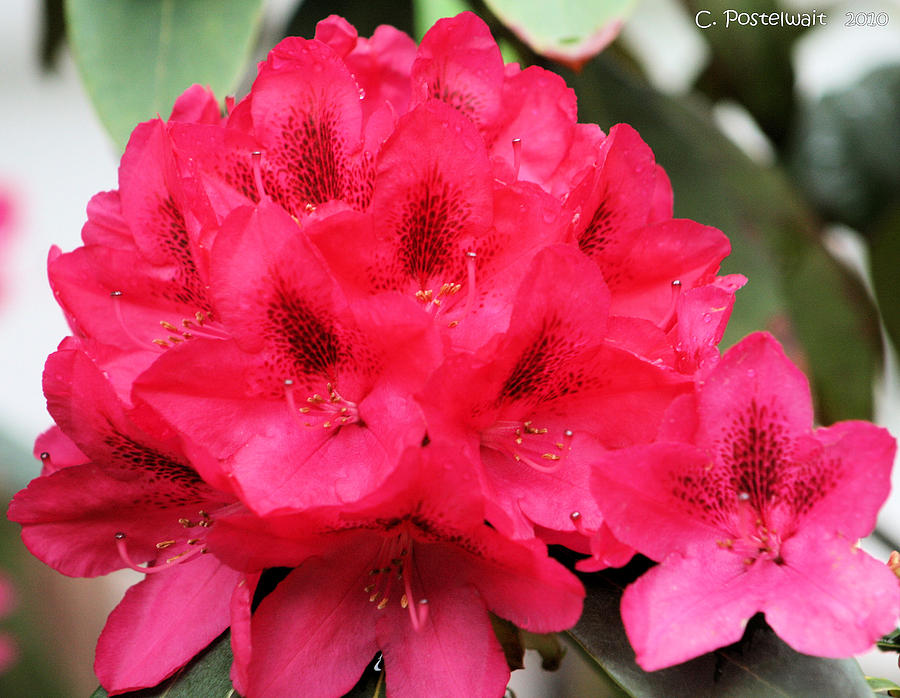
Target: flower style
749, 509
135, 496
411, 570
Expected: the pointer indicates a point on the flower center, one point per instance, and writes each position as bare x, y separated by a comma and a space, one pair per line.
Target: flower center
395, 566
201, 325
328, 412
438, 303
181, 550
754, 539
525, 443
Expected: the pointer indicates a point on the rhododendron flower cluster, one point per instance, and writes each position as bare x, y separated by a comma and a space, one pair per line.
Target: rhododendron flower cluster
345, 360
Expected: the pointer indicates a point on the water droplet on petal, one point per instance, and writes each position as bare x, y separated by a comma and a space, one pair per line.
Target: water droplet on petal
743, 496
707, 318
751, 373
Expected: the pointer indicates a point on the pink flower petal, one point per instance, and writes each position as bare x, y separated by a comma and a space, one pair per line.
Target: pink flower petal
163, 622
323, 608
830, 598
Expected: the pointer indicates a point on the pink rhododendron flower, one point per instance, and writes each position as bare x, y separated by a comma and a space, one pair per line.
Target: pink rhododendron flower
140, 282
748, 509
136, 496
7, 228
539, 404
410, 570
313, 383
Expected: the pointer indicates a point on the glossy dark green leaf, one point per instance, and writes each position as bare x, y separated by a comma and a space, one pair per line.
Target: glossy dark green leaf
845, 155
759, 665
796, 289
365, 16
137, 56
206, 675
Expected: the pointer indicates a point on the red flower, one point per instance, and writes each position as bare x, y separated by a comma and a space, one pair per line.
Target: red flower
140, 282
542, 401
749, 509
135, 497
312, 401
411, 570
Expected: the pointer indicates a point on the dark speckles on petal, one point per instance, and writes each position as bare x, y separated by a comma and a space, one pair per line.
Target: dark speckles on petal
468, 104
306, 336
169, 224
313, 165
170, 483
757, 468
757, 449
593, 239
429, 227
546, 369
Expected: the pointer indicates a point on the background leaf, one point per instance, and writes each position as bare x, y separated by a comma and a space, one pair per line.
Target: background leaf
845, 150
759, 665
365, 16
767, 52
882, 685
796, 289
570, 31
137, 56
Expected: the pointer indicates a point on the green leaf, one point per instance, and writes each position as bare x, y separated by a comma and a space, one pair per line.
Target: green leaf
427, 12
890, 642
570, 31
759, 665
884, 264
365, 16
206, 675
796, 290
767, 52
845, 154
137, 56
882, 685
